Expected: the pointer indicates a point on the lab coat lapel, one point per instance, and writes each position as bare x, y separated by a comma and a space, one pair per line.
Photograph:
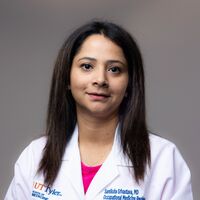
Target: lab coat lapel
72, 164
106, 174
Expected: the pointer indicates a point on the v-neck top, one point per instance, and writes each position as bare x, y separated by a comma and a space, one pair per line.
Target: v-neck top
88, 174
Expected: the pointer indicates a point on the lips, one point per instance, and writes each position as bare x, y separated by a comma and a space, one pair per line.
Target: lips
98, 96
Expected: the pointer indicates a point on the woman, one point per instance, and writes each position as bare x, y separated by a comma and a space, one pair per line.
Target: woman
96, 144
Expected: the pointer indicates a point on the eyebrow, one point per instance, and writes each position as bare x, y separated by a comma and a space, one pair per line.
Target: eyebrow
87, 58
109, 61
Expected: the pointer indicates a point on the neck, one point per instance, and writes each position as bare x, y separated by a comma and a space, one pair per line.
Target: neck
96, 136
96, 130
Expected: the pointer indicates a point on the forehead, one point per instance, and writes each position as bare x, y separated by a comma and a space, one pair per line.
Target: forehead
100, 46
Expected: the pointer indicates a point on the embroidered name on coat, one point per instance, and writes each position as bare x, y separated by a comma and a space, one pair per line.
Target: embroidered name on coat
122, 194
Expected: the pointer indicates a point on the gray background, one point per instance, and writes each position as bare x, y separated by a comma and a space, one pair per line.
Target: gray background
31, 33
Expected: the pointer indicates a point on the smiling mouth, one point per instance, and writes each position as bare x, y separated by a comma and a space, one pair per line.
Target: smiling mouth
98, 96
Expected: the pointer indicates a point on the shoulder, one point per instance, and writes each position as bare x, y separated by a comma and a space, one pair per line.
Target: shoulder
159, 143
161, 146
165, 153
31, 155
36, 146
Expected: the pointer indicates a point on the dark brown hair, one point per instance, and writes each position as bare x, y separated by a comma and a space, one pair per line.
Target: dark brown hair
61, 115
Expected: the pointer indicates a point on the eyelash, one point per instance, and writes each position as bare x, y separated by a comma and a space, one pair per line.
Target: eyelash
85, 65
88, 67
115, 68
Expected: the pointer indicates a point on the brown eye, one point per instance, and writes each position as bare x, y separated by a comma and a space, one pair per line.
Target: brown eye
114, 70
86, 67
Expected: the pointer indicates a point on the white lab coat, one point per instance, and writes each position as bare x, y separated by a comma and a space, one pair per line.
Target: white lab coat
167, 179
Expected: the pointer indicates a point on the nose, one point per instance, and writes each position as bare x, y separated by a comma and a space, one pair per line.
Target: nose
100, 79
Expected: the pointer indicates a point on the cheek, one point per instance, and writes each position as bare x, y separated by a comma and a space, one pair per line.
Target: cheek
122, 86
78, 83
120, 90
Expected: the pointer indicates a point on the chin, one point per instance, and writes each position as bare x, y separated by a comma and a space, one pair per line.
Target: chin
105, 114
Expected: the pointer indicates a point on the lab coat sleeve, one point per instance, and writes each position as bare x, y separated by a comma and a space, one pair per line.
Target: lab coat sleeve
179, 185
20, 187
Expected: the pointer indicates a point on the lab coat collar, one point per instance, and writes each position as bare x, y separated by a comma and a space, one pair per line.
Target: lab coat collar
106, 174
117, 153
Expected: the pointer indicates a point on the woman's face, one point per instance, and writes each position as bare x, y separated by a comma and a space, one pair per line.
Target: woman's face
99, 77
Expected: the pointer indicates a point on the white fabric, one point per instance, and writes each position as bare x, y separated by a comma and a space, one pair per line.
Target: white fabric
167, 179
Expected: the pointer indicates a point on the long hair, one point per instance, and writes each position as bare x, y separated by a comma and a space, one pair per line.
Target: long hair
61, 113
